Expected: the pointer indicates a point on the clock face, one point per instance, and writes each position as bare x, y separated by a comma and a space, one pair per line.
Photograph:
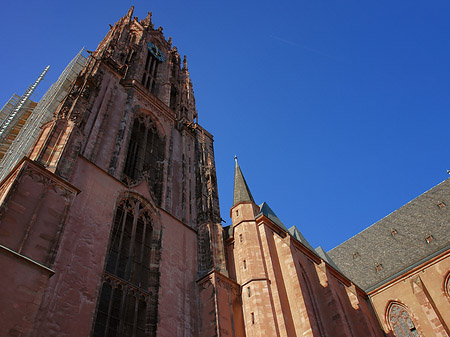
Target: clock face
156, 52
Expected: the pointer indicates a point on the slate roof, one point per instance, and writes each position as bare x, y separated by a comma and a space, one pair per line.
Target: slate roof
267, 211
299, 236
241, 191
322, 254
397, 242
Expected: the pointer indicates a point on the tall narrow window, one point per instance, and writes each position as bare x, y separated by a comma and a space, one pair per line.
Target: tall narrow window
401, 322
126, 295
145, 157
53, 146
154, 58
173, 97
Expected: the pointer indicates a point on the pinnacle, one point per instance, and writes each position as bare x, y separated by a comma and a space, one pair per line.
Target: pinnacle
241, 190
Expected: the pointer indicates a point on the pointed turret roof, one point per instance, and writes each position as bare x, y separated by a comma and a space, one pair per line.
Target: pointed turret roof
241, 190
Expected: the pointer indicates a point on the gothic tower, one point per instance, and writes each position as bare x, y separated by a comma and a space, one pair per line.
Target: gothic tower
113, 217
110, 224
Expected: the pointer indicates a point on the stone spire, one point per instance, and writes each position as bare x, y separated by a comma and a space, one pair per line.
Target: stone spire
130, 13
241, 191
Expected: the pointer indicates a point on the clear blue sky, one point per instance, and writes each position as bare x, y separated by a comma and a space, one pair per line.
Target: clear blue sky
337, 110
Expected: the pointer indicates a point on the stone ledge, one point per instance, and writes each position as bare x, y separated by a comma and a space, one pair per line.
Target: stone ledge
27, 259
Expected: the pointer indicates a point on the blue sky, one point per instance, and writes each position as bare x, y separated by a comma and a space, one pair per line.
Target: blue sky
337, 110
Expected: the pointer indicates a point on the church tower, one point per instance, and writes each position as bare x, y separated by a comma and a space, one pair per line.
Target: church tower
110, 226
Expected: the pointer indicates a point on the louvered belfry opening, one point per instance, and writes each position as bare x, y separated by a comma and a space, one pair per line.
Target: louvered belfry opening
150, 71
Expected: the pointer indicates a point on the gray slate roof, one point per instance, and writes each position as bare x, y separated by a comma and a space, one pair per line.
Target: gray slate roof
267, 211
319, 250
241, 191
299, 236
398, 241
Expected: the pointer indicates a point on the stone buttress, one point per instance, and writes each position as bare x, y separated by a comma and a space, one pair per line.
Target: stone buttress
113, 219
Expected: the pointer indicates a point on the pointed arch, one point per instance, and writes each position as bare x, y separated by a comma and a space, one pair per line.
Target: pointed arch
447, 285
52, 139
128, 300
312, 299
399, 320
146, 153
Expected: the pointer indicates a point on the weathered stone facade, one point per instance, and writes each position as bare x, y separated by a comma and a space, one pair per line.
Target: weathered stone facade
110, 226
123, 144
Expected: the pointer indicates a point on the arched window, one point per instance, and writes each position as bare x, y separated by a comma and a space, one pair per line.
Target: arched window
447, 285
173, 98
53, 145
401, 321
150, 71
145, 157
127, 300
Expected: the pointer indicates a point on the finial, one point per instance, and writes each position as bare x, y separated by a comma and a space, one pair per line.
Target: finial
235, 158
130, 12
147, 22
185, 62
169, 41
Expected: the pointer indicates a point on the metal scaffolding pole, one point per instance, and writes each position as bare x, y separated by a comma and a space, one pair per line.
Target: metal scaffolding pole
15, 113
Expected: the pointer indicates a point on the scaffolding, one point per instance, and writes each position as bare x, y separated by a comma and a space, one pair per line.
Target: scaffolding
42, 113
15, 108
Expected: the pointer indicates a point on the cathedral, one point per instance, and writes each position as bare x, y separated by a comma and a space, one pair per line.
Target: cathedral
110, 223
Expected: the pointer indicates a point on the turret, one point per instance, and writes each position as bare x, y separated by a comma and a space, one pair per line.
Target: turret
244, 207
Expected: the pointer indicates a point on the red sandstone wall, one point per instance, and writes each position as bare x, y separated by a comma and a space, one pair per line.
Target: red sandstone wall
22, 285
422, 292
178, 295
73, 290
288, 290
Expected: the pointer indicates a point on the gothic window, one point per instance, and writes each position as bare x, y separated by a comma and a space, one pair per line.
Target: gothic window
401, 322
145, 157
309, 292
150, 71
173, 97
124, 307
52, 147
447, 285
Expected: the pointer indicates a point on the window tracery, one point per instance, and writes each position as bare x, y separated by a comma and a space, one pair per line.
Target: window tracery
126, 295
145, 157
401, 322
447, 285
150, 71
52, 147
